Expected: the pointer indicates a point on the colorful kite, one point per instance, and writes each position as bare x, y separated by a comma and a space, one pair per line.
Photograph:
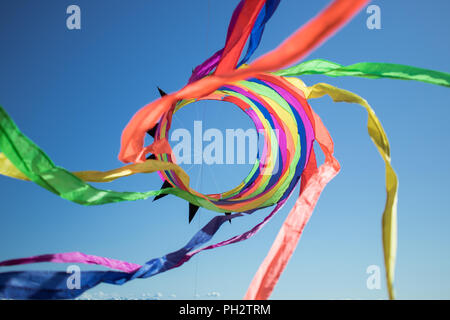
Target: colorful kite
277, 103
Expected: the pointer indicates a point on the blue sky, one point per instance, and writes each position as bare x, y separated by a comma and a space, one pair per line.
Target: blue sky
73, 91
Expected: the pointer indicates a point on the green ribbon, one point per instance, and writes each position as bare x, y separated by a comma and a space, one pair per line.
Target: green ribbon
371, 70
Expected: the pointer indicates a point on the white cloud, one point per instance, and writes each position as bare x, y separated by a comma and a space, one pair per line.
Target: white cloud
100, 295
213, 294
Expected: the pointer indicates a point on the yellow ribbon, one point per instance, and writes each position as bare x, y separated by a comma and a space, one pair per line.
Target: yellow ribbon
378, 136
149, 166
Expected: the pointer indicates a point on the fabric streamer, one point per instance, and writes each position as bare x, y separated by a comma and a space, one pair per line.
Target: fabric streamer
277, 103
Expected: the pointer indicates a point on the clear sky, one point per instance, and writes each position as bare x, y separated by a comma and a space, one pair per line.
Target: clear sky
73, 91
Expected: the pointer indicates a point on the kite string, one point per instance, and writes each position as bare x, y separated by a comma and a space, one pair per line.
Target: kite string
202, 116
